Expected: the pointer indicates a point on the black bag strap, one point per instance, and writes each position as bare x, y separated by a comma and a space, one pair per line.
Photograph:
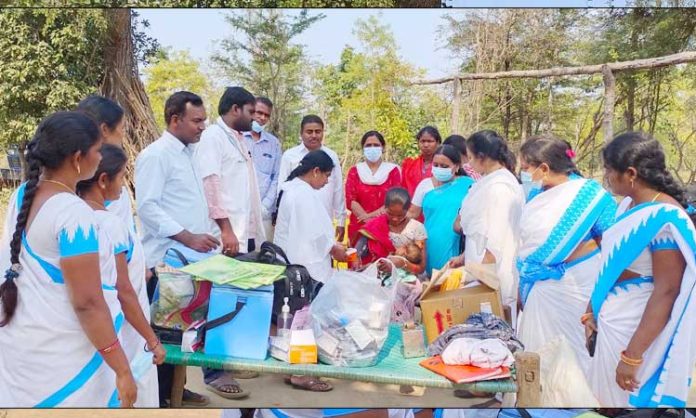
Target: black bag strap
179, 255
225, 318
272, 249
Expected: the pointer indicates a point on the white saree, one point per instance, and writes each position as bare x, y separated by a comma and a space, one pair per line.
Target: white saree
46, 360
132, 342
489, 217
555, 294
665, 374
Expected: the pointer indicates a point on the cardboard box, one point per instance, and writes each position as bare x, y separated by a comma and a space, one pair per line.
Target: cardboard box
442, 310
303, 347
300, 348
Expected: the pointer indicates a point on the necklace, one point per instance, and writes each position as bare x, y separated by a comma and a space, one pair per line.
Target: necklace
656, 196
60, 184
100, 205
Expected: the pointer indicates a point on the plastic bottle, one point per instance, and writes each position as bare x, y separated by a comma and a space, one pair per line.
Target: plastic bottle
285, 320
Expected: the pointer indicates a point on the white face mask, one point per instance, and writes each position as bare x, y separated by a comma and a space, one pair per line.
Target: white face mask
531, 187
372, 154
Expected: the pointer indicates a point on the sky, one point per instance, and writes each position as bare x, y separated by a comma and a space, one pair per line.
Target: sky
415, 32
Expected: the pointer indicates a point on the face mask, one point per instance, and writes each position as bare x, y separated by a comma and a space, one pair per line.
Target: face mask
256, 127
442, 174
531, 187
372, 154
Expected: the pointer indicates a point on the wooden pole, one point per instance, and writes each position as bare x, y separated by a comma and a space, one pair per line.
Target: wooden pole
454, 123
528, 382
680, 58
609, 99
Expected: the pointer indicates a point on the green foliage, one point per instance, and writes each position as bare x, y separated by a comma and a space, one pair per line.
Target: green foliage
174, 72
49, 60
369, 90
266, 62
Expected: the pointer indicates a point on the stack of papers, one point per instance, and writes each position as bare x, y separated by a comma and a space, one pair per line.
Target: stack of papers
223, 270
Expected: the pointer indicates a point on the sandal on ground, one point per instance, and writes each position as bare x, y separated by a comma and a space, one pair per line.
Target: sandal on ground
191, 398
225, 381
243, 374
468, 394
310, 383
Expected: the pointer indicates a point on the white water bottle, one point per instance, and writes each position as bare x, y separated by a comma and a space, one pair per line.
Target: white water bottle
285, 320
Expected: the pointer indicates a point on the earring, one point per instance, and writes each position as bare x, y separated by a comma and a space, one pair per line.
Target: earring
78, 170
631, 183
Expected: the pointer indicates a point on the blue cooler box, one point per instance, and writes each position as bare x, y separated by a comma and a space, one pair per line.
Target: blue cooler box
246, 336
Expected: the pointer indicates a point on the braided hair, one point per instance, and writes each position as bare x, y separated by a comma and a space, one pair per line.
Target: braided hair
58, 137
644, 153
314, 159
554, 152
488, 143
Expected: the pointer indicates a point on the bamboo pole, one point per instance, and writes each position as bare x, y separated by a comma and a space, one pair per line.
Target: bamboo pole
674, 59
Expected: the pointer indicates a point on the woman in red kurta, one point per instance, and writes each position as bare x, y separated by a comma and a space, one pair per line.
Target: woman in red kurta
367, 184
414, 170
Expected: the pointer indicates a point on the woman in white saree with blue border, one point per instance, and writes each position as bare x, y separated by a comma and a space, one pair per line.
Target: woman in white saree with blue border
59, 300
643, 303
558, 255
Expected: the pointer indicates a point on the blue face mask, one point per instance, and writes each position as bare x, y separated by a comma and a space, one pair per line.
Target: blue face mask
256, 127
443, 174
372, 154
531, 187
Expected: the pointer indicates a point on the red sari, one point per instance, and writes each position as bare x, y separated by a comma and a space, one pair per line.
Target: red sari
370, 197
413, 174
379, 244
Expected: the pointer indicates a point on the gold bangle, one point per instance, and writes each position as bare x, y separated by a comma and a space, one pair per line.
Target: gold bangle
630, 361
585, 317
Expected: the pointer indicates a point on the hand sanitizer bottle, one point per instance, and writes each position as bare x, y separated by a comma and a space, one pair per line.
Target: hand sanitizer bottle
285, 320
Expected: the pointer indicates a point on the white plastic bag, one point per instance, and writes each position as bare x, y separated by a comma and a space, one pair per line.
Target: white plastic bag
350, 318
563, 383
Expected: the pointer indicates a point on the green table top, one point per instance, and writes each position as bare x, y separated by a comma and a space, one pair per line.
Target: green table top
391, 368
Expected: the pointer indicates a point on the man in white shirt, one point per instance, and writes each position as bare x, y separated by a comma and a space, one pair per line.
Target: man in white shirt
229, 176
170, 201
232, 194
169, 193
332, 195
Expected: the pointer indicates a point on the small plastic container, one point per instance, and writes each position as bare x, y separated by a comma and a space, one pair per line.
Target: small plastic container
285, 320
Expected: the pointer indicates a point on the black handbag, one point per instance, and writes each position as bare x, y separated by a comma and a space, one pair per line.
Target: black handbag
297, 284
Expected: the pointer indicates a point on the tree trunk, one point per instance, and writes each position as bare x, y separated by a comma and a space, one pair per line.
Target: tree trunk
454, 123
629, 114
122, 84
609, 98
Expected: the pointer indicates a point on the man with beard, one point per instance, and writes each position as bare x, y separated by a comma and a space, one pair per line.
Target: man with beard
232, 194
